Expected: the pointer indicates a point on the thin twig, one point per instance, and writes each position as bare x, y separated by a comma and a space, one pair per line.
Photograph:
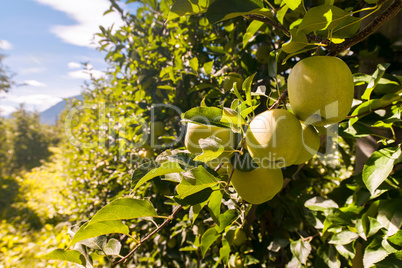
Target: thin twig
280, 99
392, 10
171, 217
234, 167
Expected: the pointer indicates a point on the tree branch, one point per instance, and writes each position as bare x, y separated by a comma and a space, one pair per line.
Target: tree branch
280, 99
171, 217
392, 10
285, 30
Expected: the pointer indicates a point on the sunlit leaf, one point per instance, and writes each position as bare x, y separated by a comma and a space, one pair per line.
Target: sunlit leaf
124, 208
112, 247
254, 26
379, 166
100, 228
65, 255
207, 239
323, 17
164, 168
301, 250
195, 180
227, 9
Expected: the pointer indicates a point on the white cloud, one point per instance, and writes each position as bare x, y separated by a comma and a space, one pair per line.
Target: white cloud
85, 74
32, 70
74, 65
4, 44
34, 83
88, 14
6, 109
36, 99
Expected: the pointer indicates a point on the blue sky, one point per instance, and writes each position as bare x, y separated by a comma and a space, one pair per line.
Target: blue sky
45, 42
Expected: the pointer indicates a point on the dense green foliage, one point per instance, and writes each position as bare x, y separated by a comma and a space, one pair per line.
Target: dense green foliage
25, 141
5, 76
168, 63
34, 209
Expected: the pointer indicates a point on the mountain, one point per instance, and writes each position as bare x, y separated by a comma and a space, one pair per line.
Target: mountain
51, 115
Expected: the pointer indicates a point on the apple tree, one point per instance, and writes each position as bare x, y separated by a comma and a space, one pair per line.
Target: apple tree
150, 193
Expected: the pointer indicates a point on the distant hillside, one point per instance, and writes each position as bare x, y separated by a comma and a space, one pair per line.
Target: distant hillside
51, 115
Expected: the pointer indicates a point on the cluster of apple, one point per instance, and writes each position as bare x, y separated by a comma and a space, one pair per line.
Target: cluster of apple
320, 90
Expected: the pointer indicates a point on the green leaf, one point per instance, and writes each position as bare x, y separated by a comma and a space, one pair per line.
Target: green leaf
205, 115
231, 116
224, 251
379, 166
344, 237
323, 17
194, 64
293, 4
100, 228
301, 250
328, 257
97, 243
196, 209
247, 88
273, 63
207, 239
347, 28
112, 247
396, 238
320, 204
376, 251
227, 9
390, 215
195, 180
374, 104
208, 67
142, 170
194, 199
379, 72
254, 26
124, 209
187, 7
214, 205
297, 42
65, 255
163, 169
226, 219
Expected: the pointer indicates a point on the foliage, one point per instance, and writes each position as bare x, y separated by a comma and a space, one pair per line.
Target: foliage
25, 142
168, 63
5, 76
34, 209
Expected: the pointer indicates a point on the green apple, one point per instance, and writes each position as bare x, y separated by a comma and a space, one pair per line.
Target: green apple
320, 90
274, 138
195, 132
237, 262
230, 79
262, 54
245, 162
171, 243
240, 237
259, 185
157, 129
310, 144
